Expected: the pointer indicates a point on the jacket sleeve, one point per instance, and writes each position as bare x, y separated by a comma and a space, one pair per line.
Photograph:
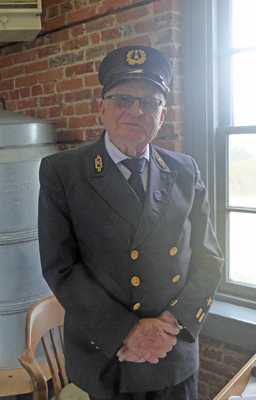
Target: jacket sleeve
192, 304
104, 320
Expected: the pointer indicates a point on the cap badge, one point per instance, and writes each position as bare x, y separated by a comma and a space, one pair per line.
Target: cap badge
136, 57
159, 160
98, 163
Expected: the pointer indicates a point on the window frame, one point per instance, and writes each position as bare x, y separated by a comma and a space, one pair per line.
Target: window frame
208, 107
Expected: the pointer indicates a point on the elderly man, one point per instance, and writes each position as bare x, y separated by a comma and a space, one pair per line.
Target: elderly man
126, 243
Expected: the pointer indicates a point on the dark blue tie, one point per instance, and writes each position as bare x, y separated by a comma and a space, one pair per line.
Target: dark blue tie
136, 166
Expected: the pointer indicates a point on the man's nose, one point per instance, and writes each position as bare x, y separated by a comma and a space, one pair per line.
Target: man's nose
135, 108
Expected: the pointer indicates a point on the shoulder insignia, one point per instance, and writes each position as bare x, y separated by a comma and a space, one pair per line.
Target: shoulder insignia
159, 160
136, 57
98, 163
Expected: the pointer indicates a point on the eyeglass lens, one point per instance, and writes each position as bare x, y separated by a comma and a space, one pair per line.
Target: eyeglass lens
146, 103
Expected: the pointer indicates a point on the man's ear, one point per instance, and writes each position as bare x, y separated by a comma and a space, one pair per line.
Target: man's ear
163, 114
101, 107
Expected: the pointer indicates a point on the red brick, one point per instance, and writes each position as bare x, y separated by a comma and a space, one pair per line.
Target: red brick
162, 6
111, 5
11, 105
49, 76
140, 41
25, 92
91, 80
6, 62
37, 90
28, 103
111, 34
132, 14
14, 94
93, 133
77, 30
99, 51
58, 37
82, 108
54, 23
50, 3
65, 7
99, 24
97, 93
37, 67
82, 15
53, 12
61, 123
16, 48
30, 113
6, 85
49, 87
78, 96
54, 112
94, 108
51, 100
77, 122
79, 56
24, 57
68, 110
48, 51
13, 72
75, 43
42, 113
70, 135
30, 80
95, 38
72, 84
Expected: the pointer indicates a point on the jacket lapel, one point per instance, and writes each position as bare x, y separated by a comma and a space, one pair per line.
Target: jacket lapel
110, 184
160, 183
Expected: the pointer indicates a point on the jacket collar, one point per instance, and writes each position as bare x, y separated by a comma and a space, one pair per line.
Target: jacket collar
111, 185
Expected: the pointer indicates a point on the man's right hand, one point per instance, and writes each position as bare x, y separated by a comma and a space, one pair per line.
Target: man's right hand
150, 339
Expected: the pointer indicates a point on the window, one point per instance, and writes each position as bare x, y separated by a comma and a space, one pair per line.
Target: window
220, 107
236, 146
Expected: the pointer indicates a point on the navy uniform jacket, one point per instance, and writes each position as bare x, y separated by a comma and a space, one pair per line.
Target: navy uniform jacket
110, 262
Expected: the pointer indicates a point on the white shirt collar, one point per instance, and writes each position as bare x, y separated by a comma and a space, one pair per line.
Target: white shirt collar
116, 155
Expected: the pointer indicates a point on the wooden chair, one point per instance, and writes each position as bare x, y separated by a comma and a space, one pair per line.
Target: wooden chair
44, 320
238, 383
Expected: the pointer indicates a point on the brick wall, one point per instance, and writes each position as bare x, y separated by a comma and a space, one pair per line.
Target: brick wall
219, 362
55, 76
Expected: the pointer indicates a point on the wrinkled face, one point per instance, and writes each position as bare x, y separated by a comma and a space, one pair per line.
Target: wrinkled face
132, 126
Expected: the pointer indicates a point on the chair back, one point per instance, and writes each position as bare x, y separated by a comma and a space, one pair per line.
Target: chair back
44, 320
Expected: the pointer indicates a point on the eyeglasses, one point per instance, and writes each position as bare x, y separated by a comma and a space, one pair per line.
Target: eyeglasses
147, 104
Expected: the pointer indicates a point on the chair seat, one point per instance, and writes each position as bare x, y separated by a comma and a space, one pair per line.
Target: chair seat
72, 392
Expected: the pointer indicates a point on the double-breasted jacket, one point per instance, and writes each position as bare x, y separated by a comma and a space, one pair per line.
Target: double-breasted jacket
110, 262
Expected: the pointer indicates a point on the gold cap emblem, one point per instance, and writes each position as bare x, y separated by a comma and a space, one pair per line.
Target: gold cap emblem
98, 163
136, 57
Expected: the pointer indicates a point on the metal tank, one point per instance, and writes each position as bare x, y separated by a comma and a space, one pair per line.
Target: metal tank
23, 142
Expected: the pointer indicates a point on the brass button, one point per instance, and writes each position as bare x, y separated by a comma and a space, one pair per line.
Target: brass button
92, 342
173, 302
135, 281
134, 254
176, 278
173, 251
136, 306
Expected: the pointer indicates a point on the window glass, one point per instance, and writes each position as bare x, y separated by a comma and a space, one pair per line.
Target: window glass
242, 171
242, 228
244, 62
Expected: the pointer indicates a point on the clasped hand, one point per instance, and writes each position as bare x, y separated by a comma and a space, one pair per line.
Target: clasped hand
150, 339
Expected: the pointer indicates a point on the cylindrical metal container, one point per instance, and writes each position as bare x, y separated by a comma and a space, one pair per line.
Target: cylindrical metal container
23, 142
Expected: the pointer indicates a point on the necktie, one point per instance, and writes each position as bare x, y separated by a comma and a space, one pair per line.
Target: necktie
136, 166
